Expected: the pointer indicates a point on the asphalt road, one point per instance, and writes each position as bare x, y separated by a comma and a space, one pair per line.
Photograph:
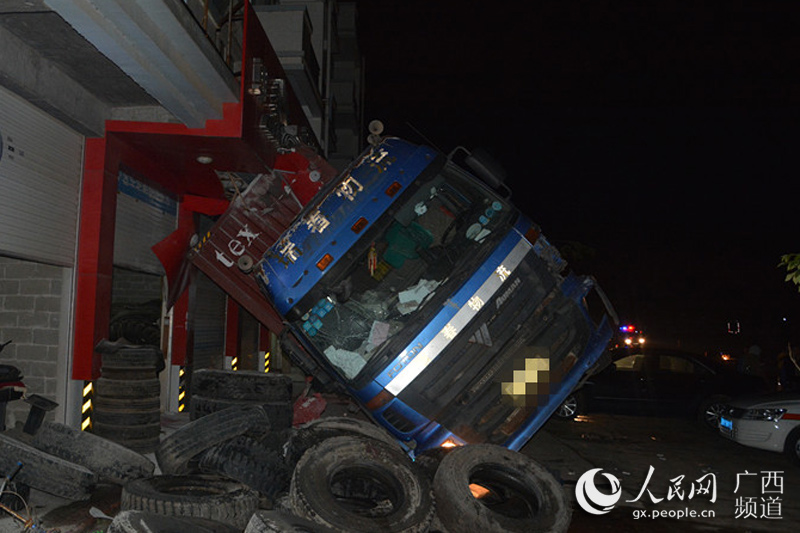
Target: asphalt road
630, 448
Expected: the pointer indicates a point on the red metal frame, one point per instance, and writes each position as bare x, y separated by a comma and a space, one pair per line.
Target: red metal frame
166, 154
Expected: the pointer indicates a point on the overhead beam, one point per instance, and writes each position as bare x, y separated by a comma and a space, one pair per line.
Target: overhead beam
161, 47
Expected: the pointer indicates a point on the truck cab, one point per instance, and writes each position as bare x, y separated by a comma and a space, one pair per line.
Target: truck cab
434, 302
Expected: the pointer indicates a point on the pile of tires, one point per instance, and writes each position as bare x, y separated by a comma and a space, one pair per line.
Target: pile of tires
127, 397
213, 390
69, 463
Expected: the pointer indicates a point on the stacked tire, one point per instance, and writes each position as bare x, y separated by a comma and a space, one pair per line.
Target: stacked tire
127, 401
214, 390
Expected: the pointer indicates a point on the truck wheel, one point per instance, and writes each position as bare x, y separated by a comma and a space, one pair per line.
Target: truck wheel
316, 431
178, 448
360, 484
241, 385
488, 488
197, 496
571, 407
46, 472
280, 522
138, 521
250, 462
112, 462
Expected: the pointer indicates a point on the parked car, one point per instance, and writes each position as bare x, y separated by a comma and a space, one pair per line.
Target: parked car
662, 381
769, 422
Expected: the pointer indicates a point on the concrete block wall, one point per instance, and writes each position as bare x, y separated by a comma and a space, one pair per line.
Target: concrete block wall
131, 287
30, 316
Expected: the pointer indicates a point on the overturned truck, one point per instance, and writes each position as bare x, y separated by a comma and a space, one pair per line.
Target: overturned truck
412, 283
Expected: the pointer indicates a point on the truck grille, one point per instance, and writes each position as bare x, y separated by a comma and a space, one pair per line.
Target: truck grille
463, 388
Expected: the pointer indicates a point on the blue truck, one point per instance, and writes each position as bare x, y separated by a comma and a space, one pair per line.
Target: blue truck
413, 283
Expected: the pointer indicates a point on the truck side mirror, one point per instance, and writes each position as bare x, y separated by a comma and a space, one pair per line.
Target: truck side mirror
486, 167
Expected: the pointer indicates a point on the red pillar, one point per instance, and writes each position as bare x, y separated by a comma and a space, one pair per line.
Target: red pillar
95, 259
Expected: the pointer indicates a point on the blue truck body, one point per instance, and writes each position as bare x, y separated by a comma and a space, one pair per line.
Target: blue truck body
433, 301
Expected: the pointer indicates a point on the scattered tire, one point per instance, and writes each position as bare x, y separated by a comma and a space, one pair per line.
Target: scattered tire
520, 495
241, 385
428, 461
139, 521
177, 449
316, 431
280, 413
248, 461
197, 496
46, 472
360, 484
111, 462
280, 522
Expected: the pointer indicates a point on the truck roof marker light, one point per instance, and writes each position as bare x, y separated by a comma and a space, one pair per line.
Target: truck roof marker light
532, 235
323, 263
360, 224
393, 188
381, 399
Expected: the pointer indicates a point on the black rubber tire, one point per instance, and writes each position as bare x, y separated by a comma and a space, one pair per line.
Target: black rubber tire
523, 496
46, 472
111, 462
428, 462
129, 373
127, 388
180, 447
316, 431
361, 484
248, 461
139, 521
138, 404
791, 446
197, 496
140, 445
241, 385
710, 409
15, 494
282, 522
130, 356
126, 417
280, 413
118, 432
572, 406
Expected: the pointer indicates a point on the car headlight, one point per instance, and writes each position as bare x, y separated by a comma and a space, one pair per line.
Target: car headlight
764, 414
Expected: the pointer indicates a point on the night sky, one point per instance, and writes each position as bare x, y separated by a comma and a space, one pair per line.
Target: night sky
659, 139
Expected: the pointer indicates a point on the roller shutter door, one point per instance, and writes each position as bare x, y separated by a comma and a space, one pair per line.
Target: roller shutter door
40, 175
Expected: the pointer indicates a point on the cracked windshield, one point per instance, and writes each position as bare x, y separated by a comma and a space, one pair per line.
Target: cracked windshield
446, 224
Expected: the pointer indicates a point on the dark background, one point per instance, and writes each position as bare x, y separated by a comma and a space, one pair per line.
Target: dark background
656, 143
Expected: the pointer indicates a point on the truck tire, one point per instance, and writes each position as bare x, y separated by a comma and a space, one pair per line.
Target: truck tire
241, 385
316, 431
126, 417
360, 484
281, 522
248, 461
139, 521
279, 412
177, 449
522, 496
111, 462
46, 472
197, 496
